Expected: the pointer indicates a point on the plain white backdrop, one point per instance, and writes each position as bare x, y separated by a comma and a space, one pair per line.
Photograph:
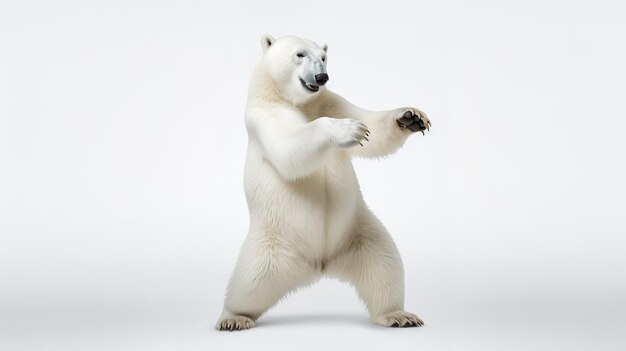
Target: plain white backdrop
122, 149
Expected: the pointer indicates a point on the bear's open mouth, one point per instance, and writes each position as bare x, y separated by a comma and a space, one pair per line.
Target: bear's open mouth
312, 87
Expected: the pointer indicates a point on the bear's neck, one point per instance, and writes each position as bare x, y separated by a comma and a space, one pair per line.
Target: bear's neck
263, 90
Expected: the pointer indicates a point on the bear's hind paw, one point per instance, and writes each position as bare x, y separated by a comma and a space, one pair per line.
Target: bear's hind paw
399, 319
235, 322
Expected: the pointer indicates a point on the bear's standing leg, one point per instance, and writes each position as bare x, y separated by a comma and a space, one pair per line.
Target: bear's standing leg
265, 272
372, 264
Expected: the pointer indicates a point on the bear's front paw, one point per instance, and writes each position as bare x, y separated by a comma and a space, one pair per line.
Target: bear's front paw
414, 120
348, 132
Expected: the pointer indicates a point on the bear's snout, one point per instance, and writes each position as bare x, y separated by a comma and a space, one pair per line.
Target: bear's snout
321, 78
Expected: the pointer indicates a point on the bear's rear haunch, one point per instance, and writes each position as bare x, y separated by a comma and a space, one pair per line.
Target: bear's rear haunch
307, 214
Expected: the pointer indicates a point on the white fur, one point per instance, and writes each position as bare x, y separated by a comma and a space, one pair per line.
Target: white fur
307, 214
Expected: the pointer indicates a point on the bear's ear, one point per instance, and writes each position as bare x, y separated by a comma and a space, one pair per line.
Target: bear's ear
325, 47
267, 41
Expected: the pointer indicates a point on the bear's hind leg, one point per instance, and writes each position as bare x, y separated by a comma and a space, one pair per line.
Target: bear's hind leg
373, 265
265, 272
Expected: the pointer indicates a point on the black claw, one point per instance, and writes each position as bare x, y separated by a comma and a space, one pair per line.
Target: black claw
395, 325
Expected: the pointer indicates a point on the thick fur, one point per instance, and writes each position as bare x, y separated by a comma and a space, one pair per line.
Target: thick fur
307, 214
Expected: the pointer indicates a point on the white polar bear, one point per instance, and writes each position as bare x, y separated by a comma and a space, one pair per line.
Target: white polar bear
307, 214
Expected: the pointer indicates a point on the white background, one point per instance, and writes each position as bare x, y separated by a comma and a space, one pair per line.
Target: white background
122, 149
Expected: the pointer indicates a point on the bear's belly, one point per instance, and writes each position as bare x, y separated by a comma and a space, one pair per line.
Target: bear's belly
314, 215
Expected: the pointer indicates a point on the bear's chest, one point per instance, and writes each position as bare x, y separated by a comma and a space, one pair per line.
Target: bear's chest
315, 212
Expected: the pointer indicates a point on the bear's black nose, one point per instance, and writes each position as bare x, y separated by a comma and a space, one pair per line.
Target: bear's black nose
321, 78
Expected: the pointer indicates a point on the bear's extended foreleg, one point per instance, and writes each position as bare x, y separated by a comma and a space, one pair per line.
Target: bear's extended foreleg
297, 148
388, 129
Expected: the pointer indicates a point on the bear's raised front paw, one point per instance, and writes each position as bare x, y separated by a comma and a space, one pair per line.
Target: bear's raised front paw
348, 132
235, 322
414, 120
399, 319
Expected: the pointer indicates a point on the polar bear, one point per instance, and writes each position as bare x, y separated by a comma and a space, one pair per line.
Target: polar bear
307, 214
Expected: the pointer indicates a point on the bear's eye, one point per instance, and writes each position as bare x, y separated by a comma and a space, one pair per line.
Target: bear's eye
300, 54
324, 59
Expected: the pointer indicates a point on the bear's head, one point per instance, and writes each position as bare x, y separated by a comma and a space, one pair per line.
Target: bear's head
296, 66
